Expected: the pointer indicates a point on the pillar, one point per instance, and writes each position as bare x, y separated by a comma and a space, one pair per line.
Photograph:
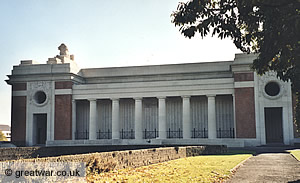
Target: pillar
138, 119
115, 119
93, 119
212, 124
162, 124
73, 119
234, 118
186, 117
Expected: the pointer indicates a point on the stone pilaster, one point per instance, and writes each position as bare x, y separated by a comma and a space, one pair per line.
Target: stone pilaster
115, 119
186, 117
73, 119
162, 123
212, 124
93, 119
138, 118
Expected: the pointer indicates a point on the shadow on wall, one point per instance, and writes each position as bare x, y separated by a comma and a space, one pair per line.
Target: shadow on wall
6, 144
296, 181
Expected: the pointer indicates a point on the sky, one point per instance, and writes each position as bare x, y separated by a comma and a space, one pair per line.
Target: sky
100, 33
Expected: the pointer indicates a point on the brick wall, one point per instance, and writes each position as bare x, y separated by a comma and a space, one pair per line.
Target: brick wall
243, 76
245, 112
63, 85
63, 117
19, 86
18, 120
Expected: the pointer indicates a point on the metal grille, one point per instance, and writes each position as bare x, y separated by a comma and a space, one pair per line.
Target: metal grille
199, 133
225, 133
174, 134
150, 134
103, 134
82, 135
127, 134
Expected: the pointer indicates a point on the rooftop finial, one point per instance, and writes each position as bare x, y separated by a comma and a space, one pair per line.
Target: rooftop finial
63, 56
63, 50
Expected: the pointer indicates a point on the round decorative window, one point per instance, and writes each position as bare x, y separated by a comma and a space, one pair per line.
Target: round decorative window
272, 89
40, 97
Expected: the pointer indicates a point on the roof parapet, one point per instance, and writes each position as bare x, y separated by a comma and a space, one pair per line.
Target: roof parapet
28, 62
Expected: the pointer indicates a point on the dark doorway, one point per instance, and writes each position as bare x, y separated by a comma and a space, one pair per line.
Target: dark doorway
273, 124
40, 130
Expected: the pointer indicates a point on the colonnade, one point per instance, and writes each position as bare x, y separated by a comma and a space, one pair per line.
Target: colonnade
162, 123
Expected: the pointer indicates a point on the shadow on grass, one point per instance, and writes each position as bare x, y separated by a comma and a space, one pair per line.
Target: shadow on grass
232, 152
262, 150
236, 152
256, 151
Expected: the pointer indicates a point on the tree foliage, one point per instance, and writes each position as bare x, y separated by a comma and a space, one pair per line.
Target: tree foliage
270, 28
2, 136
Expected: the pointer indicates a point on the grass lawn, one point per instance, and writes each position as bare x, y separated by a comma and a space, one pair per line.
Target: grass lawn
206, 168
296, 153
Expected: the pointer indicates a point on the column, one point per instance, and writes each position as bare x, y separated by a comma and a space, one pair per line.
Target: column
138, 119
93, 119
212, 125
115, 119
186, 117
73, 119
162, 124
234, 121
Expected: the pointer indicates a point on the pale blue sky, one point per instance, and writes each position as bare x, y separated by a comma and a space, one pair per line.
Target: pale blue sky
100, 33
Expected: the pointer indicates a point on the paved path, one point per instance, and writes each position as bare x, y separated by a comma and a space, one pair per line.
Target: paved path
268, 167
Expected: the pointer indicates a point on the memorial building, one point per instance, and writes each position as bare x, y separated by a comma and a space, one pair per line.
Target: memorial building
59, 104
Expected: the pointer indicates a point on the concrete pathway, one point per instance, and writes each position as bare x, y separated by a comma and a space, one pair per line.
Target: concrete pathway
268, 167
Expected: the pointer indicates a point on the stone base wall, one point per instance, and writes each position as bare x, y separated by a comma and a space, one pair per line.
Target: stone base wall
106, 161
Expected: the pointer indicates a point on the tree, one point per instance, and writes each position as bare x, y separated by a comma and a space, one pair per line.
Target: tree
270, 28
2, 136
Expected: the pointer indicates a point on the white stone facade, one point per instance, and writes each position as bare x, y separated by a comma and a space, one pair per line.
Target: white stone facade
196, 103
